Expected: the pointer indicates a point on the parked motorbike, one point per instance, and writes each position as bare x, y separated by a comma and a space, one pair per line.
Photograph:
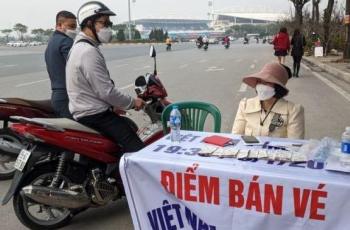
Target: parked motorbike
50, 186
10, 143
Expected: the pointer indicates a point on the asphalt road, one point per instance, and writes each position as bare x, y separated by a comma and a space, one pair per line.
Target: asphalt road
214, 76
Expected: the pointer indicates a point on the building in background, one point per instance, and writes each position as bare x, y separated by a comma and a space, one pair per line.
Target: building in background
220, 21
224, 19
182, 29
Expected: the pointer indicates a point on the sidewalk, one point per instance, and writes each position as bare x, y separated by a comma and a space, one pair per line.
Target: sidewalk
331, 65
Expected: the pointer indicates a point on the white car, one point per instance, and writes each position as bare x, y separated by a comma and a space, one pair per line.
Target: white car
20, 44
35, 43
213, 41
11, 44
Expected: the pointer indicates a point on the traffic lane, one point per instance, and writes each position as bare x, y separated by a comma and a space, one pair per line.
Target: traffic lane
8, 218
36, 85
327, 112
111, 217
114, 52
17, 62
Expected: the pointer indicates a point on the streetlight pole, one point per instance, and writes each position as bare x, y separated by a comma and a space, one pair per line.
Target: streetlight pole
347, 25
129, 25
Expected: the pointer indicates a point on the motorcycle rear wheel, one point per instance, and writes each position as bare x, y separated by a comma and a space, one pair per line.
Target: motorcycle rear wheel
22, 204
7, 160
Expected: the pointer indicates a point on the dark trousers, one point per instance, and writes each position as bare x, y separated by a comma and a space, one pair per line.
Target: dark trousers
59, 102
296, 65
115, 127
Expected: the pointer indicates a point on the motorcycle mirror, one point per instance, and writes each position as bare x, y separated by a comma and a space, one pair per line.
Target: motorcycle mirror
152, 52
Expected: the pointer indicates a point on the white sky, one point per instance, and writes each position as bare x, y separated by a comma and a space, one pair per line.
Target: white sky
41, 13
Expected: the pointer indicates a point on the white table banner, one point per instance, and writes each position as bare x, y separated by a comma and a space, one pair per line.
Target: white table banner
170, 187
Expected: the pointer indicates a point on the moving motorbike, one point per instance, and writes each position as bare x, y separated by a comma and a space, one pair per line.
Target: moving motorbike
11, 143
168, 47
246, 41
199, 44
51, 186
226, 44
205, 46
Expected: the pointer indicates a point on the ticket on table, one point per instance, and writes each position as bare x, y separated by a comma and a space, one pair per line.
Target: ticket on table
219, 152
253, 153
271, 155
225, 152
262, 154
298, 157
283, 155
230, 152
243, 153
207, 150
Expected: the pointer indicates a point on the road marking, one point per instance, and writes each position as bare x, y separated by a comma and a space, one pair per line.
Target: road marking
127, 86
329, 83
255, 61
239, 60
145, 67
306, 67
243, 88
214, 68
183, 66
31, 83
252, 66
7, 66
202, 61
119, 66
333, 86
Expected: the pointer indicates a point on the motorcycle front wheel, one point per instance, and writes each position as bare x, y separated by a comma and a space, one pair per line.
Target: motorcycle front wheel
7, 160
38, 216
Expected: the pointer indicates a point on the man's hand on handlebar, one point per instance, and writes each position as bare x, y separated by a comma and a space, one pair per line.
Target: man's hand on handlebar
139, 104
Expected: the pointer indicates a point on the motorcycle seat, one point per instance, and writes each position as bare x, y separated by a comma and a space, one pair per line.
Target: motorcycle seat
44, 105
58, 124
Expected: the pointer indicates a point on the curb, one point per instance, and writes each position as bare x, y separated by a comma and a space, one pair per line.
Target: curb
342, 75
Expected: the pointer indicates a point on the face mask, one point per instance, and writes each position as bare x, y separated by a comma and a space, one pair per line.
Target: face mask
265, 92
105, 35
71, 33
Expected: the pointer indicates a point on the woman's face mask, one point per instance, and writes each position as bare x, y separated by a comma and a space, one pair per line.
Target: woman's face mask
265, 92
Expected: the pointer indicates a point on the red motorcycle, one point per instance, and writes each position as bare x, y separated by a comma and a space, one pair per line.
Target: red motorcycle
10, 143
51, 185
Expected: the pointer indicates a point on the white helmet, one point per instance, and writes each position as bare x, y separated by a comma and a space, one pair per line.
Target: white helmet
91, 9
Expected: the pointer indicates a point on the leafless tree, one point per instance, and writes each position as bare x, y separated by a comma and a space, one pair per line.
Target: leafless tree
327, 18
316, 11
299, 5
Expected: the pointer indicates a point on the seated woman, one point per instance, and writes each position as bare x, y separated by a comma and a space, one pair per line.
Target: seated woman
269, 114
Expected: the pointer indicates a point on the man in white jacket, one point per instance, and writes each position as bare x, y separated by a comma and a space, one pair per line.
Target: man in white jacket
92, 93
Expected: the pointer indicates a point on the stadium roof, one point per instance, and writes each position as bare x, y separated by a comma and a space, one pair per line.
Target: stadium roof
172, 24
255, 14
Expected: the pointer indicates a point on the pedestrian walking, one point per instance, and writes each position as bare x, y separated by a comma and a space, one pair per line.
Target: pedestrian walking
281, 45
298, 42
